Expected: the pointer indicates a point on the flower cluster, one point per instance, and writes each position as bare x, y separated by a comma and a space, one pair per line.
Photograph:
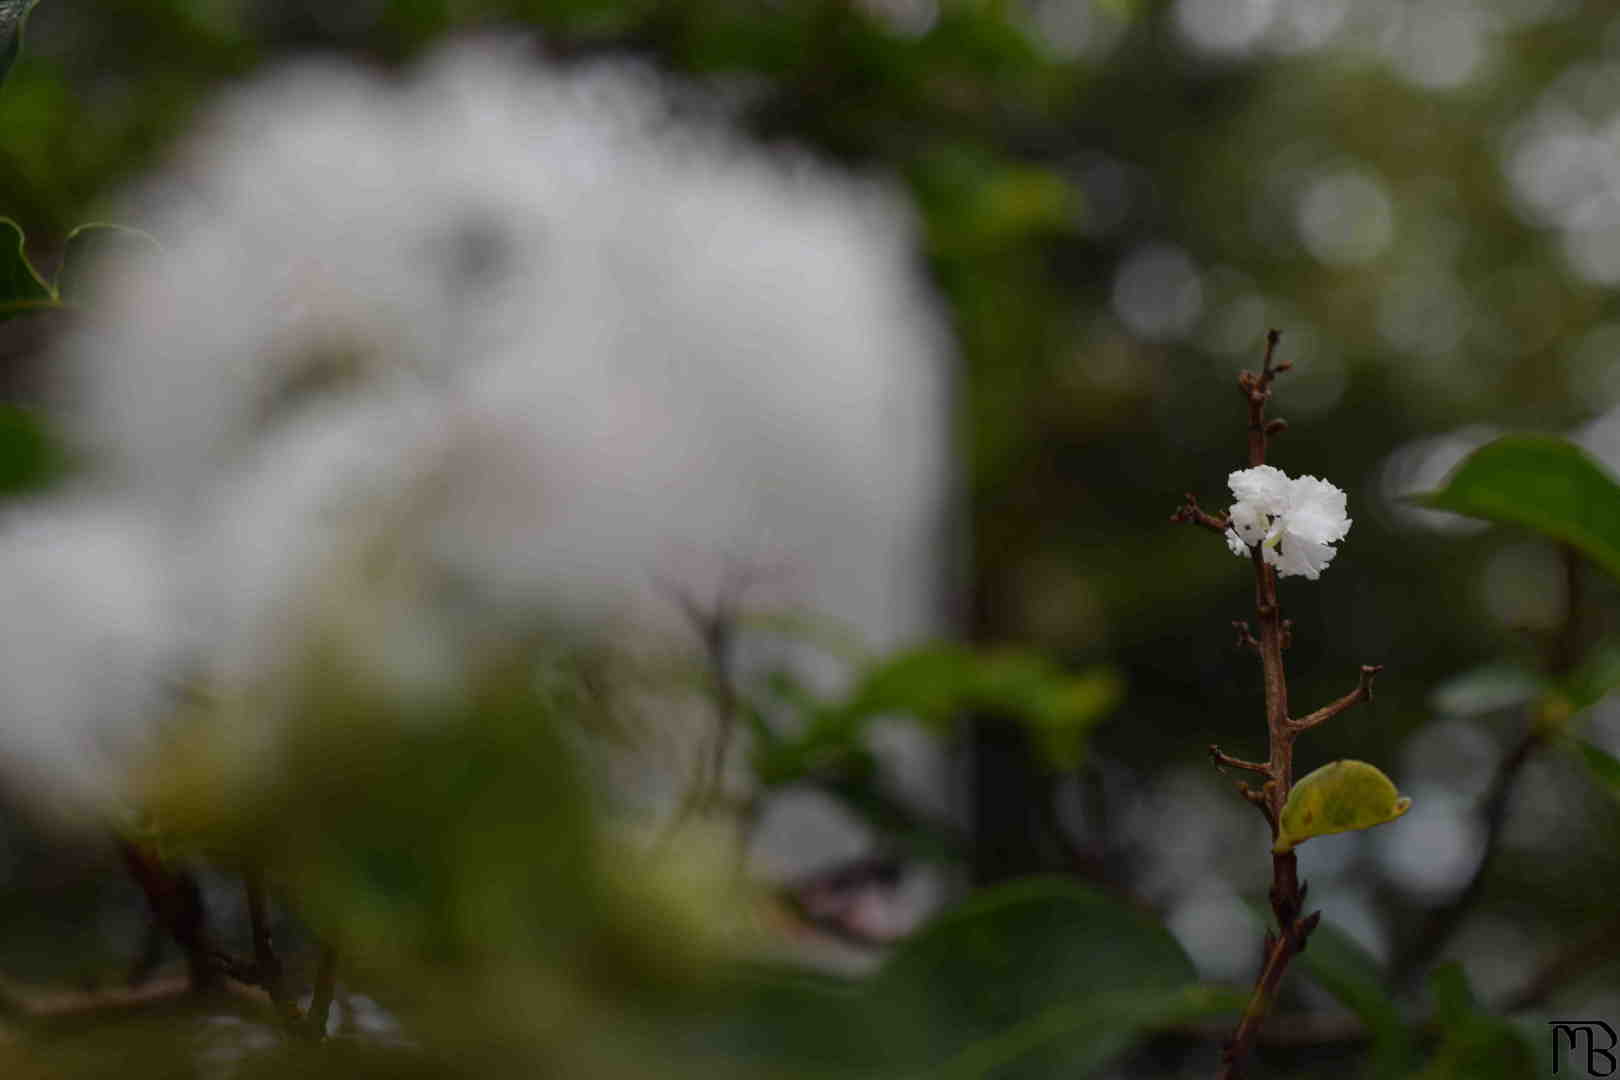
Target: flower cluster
1294, 521
424, 364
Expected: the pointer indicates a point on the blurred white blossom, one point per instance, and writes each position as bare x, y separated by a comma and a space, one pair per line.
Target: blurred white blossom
538, 345
626, 352
1295, 521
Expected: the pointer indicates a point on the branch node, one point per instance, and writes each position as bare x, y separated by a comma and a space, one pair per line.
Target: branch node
1276, 426
1190, 511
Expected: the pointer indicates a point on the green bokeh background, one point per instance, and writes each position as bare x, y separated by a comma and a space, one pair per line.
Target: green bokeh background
1048, 145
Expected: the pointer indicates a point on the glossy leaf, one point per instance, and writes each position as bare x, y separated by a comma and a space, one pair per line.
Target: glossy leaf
1546, 484
22, 290
1342, 796
13, 16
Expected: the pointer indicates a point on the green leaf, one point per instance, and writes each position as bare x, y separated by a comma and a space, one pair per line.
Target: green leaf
13, 15
1038, 978
1546, 484
937, 684
1604, 766
1357, 980
1341, 796
21, 288
92, 244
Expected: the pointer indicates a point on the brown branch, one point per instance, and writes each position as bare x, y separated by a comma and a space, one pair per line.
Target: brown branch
266, 964
716, 626
1245, 637
1276, 634
1280, 949
1362, 692
176, 904
1189, 511
1221, 758
1256, 388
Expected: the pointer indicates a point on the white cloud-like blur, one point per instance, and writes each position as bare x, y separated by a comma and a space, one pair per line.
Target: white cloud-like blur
87, 649
557, 348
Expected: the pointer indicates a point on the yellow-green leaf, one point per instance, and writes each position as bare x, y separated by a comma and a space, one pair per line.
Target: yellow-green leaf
1342, 796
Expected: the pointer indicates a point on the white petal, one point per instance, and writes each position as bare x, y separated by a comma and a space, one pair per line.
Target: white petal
1264, 487
1323, 503
1235, 542
1299, 557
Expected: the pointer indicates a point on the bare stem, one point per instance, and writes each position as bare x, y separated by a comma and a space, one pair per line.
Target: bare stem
1227, 760
1280, 949
176, 904
1362, 692
1275, 634
266, 964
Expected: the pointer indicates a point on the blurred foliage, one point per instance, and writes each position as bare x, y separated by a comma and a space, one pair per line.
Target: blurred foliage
1545, 484
1115, 208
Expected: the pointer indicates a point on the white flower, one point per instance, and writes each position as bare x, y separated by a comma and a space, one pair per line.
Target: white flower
642, 353
1294, 521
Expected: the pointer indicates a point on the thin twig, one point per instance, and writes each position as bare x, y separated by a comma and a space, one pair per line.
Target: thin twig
1222, 758
1189, 511
266, 964
176, 903
1362, 692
